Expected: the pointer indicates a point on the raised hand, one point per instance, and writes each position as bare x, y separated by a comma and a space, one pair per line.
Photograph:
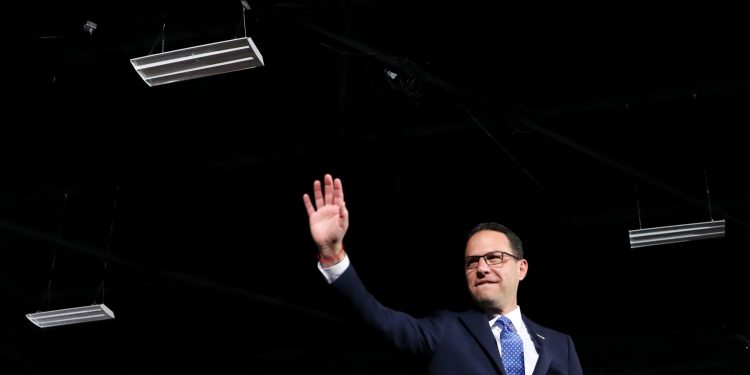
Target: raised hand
328, 218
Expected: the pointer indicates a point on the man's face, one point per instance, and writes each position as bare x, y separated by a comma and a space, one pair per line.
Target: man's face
494, 287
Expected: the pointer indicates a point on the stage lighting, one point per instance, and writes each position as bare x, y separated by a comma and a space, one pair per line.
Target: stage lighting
676, 233
199, 61
71, 316
89, 27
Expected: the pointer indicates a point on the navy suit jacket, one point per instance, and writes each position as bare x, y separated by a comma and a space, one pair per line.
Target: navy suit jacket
455, 342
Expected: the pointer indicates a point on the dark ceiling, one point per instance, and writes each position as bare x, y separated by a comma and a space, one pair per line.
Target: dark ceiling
180, 207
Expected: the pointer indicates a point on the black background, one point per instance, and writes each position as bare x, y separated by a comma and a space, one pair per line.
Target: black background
571, 123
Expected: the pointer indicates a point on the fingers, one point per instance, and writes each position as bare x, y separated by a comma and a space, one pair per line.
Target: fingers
328, 183
318, 194
332, 192
338, 190
308, 205
344, 213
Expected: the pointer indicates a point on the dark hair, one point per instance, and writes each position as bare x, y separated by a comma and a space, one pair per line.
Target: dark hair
515, 242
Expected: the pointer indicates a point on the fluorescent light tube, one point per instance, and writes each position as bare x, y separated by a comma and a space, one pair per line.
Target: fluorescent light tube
676, 233
71, 316
199, 61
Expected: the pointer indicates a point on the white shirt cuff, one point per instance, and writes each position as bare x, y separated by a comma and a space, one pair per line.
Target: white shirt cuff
333, 272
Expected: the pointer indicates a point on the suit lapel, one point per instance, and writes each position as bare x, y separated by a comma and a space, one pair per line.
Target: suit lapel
544, 360
478, 326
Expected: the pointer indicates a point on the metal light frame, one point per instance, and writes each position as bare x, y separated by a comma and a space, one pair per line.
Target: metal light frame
69, 316
198, 61
676, 233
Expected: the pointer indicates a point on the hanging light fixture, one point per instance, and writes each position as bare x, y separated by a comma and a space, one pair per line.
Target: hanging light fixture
198, 61
676, 233
73, 315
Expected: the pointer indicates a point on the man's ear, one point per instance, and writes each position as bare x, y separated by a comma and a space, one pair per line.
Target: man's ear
523, 268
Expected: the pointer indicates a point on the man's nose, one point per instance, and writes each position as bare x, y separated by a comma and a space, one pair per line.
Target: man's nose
482, 266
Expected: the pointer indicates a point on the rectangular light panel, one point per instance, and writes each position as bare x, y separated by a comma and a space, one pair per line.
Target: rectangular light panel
676, 233
199, 61
71, 316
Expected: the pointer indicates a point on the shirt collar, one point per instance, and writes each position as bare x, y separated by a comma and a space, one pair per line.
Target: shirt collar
514, 316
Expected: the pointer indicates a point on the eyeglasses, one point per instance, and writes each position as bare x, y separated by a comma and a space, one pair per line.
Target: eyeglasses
493, 259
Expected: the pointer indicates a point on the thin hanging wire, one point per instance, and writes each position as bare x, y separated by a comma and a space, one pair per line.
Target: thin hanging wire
48, 293
635, 186
100, 291
638, 207
243, 22
708, 195
515, 161
703, 154
163, 36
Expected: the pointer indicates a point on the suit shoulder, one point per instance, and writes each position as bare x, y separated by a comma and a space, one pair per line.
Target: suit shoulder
543, 330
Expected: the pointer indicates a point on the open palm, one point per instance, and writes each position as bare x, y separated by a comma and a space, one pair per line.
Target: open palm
329, 218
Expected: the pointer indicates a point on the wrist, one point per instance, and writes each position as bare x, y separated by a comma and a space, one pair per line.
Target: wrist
331, 259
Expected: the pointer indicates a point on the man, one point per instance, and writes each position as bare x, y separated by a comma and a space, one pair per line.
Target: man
495, 338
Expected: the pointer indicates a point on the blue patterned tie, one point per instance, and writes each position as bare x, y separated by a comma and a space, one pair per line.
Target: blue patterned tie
512, 347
